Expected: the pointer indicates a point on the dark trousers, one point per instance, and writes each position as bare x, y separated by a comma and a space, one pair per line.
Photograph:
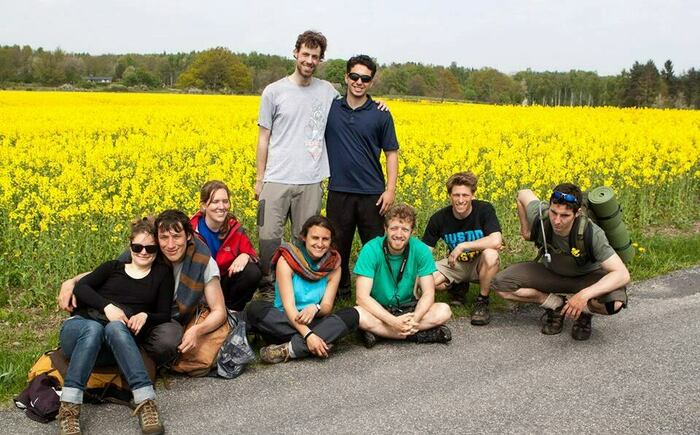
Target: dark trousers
239, 288
274, 326
161, 342
348, 211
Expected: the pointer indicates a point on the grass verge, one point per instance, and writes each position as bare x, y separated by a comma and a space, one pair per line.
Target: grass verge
26, 333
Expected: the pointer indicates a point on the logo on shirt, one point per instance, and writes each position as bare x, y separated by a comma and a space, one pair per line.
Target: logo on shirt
315, 130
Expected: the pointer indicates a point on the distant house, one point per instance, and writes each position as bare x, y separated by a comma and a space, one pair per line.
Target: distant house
98, 80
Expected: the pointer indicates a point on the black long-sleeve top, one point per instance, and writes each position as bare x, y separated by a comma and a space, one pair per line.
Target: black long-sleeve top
109, 283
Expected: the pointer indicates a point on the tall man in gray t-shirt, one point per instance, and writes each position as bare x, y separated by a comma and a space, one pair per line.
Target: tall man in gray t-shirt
291, 154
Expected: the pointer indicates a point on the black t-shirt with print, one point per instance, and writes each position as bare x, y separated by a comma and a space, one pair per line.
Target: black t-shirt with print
481, 222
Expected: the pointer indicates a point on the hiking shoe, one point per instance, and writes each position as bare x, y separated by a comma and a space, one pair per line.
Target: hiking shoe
481, 314
581, 330
368, 339
149, 419
275, 353
439, 334
69, 419
554, 322
458, 294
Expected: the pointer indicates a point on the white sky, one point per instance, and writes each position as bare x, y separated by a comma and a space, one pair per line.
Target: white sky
510, 35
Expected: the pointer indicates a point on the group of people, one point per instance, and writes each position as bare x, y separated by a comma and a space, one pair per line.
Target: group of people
307, 133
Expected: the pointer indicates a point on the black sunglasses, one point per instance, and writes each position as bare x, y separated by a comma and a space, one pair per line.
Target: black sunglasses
355, 76
566, 197
150, 249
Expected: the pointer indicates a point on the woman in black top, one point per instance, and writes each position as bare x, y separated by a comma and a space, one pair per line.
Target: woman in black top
114, 303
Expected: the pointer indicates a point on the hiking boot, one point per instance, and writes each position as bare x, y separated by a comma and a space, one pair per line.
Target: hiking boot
581, 330
69, 419
275, 353
554, 321
149, 419
458, 294
368, 339
439, 334
481, 314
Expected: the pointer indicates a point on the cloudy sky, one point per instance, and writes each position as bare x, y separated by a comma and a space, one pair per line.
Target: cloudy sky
510, 35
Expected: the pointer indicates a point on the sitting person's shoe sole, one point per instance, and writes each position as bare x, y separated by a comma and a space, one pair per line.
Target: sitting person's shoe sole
439, 334
367, 338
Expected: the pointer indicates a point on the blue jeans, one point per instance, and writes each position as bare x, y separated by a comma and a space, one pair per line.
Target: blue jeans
88, 343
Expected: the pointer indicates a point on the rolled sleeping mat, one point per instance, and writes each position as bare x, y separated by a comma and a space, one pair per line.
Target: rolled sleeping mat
602, 202
619, 239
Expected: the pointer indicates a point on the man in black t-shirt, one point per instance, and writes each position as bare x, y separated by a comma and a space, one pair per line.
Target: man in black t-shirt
470, 229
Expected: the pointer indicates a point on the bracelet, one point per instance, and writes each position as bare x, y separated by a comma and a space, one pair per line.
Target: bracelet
308, 334
318, 308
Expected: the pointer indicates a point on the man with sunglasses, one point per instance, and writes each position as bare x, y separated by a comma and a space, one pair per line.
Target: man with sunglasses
390, 270
594, 285
356, 134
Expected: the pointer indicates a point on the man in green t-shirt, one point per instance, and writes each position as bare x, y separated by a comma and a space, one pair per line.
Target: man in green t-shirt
389, 270
595, 282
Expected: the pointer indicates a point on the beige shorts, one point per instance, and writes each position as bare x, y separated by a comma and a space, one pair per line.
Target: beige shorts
462, 270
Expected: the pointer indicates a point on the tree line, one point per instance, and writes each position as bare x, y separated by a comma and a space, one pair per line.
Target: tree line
220, 70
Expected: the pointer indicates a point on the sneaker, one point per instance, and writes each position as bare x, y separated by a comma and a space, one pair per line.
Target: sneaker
554, 321
458, 294
69, 419
439, 334
481, 314
149, 419
368, 339
582, 327
275, 353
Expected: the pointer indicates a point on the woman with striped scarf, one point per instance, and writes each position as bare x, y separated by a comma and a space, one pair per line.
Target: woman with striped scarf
301, 322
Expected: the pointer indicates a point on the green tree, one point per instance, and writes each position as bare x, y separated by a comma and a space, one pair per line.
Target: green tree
216, 69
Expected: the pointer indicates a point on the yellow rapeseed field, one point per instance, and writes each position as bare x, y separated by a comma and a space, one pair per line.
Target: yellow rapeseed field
79, 166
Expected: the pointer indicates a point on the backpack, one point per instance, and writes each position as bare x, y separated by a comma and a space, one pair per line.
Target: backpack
106, 384
581, 235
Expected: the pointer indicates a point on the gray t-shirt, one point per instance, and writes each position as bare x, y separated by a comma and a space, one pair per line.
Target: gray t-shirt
563, 261
296, 117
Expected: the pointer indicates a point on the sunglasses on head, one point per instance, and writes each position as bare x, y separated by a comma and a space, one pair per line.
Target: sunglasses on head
566, 197
150, 249
355, 76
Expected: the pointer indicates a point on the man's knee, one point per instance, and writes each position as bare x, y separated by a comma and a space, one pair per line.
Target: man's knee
251, 274
116, 330
440, 312
490, 259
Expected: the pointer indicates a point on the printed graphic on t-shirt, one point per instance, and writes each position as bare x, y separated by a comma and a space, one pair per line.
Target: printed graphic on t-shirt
316, 129
454, 239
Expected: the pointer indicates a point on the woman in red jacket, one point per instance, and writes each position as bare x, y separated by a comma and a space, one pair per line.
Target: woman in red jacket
228, 243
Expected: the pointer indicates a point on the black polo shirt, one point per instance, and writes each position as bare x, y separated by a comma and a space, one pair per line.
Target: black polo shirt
355, 140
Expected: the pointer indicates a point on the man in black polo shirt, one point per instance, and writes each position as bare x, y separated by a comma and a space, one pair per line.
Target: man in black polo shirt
470, 229
356, 134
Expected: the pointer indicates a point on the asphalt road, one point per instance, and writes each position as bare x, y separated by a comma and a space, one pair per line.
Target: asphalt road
637, 374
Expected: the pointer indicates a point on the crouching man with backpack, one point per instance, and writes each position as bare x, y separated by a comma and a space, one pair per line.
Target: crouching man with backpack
575, 259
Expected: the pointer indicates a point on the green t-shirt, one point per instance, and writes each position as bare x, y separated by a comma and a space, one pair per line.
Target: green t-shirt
372, 264
563, 262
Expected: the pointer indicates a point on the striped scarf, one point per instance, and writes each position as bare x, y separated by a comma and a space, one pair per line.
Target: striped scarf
300, 262
191, 286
